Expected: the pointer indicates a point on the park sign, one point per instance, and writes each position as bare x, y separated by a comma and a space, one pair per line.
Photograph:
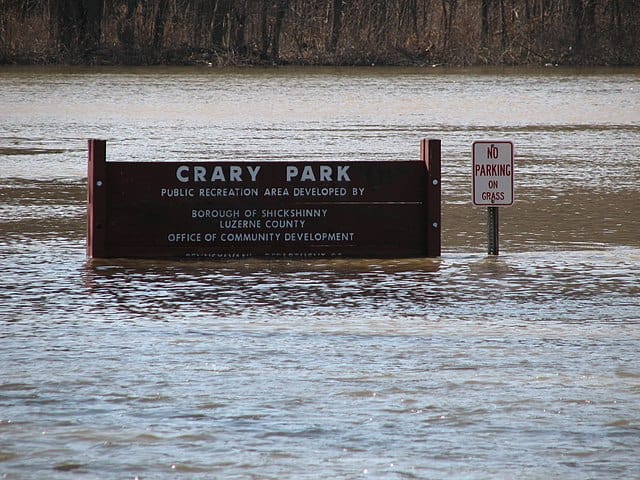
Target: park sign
492, 174
273, 209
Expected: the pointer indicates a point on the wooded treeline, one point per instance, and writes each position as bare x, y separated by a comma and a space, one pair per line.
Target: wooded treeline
340, 32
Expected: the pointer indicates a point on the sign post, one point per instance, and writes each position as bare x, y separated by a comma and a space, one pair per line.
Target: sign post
493, 183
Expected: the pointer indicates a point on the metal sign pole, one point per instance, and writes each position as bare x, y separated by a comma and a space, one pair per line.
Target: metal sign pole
492, 224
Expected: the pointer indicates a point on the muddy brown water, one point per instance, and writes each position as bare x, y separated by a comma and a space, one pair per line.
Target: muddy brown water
467, 366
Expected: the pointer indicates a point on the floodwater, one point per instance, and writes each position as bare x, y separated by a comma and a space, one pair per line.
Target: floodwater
468, 366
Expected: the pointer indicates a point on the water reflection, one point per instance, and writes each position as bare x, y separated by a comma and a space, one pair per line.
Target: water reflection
400, 295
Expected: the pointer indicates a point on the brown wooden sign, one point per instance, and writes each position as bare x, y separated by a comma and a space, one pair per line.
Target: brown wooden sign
268, 209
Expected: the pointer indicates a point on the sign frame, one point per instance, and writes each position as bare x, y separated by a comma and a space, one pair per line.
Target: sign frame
129, 215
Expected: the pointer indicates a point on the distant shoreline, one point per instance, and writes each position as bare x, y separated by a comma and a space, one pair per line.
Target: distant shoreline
320, 33
209, 58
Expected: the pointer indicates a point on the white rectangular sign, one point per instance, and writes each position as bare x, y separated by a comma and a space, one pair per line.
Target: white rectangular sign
492, 174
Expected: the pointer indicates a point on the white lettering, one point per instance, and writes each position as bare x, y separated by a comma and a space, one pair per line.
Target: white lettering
285, 223
343, 175
228, 192
235, 174
253, 171
217, 175
180, 173
276, 192
177, 192
184, 237
215, 213
322, 173
294, 213
292, 172
250, 237
319, 192
229, 224
325, 173
319, 237
307, 174
199, 173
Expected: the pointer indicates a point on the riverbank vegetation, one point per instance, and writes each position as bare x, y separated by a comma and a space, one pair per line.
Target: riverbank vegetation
321, 32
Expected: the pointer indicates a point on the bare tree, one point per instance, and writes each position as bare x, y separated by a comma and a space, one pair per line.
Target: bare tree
604, 31
221, 24
162, 12
78, 24
484, 18
281, 12
336, 24
127, 31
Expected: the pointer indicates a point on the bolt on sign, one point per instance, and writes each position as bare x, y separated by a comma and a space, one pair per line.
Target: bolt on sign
226, 209
493, 174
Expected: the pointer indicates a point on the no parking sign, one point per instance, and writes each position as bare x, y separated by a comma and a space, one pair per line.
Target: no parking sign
492, 174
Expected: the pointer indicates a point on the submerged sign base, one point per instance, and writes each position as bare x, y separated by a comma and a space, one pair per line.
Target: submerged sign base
264, 209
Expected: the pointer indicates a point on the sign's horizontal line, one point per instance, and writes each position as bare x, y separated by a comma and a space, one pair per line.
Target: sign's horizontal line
359, 203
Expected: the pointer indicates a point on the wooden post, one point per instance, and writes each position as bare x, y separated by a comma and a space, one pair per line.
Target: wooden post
430, 152
97, 198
